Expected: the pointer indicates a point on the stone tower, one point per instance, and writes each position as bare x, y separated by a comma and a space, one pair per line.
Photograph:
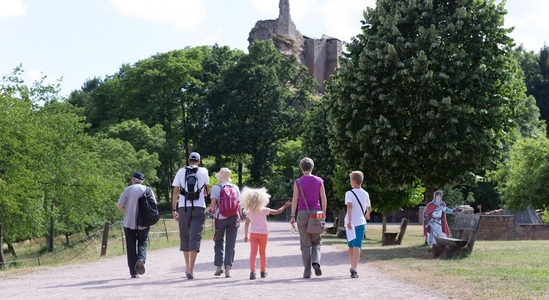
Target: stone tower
319, 55
284, 19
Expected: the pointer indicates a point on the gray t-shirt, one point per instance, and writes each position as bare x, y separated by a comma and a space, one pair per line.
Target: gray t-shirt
129, 199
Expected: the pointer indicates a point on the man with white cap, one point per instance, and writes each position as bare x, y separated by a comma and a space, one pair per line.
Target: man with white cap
188, 208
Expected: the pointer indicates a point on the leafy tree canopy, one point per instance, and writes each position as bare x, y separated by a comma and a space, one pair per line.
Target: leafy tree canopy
426, 93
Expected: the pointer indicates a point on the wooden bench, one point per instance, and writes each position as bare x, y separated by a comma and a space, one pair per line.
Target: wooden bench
394, 238
464, 229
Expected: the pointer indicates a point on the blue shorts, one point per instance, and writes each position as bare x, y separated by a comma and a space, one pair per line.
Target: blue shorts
357, 242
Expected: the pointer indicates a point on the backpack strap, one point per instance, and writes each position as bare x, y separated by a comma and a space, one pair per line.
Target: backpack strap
361, 208
303, 195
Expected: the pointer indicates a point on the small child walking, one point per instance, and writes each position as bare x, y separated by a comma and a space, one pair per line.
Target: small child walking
254, 204
358, 211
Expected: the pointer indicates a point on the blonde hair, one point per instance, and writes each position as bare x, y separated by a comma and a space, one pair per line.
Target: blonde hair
357, 177
253, 199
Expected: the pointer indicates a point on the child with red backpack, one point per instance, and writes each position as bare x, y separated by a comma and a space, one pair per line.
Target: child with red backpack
227, 212
254, 202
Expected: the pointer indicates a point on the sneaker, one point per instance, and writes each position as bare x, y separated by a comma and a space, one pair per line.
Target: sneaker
190, 276
135, 276
140, 267
354, 274
227, 271
252, 275
318, 271
263, 274
219, 271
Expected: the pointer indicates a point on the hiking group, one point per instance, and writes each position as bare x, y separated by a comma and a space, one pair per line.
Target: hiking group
229, 206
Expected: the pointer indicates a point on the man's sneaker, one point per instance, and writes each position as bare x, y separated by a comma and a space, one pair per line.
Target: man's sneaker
135, 276
140, 267
318, 271
227, 271
354, 274
252, 275
190, 275
219, 271
263, 274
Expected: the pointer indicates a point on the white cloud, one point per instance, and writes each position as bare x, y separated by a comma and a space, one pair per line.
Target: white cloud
211, 39
12, 9
267, 9
182, 15
343, 21
528, 22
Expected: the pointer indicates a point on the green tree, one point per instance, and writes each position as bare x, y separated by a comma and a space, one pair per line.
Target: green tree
160, 90
316, 146
21, 210
536, 75
260, 101
425, 93
522, 180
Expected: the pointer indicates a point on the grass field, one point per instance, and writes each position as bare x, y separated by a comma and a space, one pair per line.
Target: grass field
495, 269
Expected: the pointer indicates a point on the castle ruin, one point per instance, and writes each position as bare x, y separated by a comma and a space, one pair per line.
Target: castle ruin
319, 55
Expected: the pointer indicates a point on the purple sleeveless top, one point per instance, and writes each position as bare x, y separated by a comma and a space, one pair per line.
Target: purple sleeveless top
311, 187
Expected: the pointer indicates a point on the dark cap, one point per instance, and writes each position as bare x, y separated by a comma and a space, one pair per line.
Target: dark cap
138, 175
194, 156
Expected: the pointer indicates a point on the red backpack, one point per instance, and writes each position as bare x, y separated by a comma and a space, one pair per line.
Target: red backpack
228, 201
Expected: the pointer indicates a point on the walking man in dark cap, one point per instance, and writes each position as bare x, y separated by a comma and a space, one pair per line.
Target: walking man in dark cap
136, 236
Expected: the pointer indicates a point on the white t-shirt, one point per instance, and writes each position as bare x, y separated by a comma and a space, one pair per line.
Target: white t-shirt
216, 190
358, 214
203, 180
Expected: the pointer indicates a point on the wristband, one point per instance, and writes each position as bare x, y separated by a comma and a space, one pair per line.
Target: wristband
174, 209
292, 216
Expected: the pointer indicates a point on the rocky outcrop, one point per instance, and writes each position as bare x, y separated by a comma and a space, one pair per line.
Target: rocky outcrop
319, 55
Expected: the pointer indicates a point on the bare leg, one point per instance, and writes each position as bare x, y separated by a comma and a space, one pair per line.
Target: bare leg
350, 256
192, 259
187, 255
354, 253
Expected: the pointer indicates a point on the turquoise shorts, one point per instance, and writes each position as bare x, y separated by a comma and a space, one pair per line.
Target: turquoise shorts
357, 242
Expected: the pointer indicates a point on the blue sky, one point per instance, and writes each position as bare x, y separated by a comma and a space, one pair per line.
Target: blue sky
80, 39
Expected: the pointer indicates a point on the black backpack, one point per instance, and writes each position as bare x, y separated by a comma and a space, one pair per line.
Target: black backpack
189, 189
147, 210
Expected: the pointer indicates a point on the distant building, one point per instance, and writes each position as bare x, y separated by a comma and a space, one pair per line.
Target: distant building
319, 55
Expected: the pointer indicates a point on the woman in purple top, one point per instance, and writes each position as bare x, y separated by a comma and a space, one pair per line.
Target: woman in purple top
313, 188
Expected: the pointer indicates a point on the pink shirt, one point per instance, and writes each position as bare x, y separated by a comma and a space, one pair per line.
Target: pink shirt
258, 221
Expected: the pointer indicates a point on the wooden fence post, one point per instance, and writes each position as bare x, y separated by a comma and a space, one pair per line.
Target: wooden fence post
105, 241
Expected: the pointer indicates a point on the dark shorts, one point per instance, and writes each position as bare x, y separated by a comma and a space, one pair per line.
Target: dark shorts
191, 226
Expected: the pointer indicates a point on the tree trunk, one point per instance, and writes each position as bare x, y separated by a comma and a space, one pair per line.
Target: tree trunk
12, 250
240, 167
67, 238
2, 261
429, 193
384, 222
49, 239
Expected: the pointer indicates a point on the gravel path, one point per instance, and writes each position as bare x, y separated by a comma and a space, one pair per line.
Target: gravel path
165, 277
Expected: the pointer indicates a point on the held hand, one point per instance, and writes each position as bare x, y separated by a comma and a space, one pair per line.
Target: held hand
245, 239
350, 226
287, 204
175, 215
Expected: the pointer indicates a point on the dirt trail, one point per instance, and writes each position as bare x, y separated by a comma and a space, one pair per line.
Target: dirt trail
165, 277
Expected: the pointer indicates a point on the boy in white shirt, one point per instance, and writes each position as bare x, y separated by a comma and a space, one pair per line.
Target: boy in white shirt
358, 211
